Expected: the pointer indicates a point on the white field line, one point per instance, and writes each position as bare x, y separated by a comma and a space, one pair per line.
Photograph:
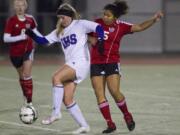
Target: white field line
35, 127
28, 126
133, 93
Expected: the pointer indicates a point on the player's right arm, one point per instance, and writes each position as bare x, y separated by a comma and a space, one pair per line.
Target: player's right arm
10, 39
40, 39
7, 37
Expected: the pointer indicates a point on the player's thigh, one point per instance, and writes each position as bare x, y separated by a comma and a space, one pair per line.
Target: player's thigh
20, 72
28, 58
27, 68
17, 62
63, 74
81, 67
98, 84
113, 83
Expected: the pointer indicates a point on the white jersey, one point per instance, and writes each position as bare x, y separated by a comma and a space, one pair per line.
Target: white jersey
74, 39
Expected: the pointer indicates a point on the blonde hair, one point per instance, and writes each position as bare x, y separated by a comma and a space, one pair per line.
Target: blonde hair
76, 16
25, 2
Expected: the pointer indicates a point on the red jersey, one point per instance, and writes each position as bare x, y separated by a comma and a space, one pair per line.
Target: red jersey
15, 27
112, 37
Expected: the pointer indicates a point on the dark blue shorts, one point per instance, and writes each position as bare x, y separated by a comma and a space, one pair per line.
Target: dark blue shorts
104, 69
18, 61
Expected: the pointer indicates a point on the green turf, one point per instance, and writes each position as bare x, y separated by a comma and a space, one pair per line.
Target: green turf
152, 93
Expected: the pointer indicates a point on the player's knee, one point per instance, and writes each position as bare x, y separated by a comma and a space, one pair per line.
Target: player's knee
56, 80
101, 99
68, 101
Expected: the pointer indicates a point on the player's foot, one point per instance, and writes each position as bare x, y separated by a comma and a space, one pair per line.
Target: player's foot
50, 119
26, 103
81, 130
29, 104
129, 122
111, 128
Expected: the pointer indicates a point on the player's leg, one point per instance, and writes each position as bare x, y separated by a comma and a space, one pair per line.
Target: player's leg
62, 75
21, 82
26, 75
113, 83
57, 93
73, 108
98, 83
26, 78
18, 64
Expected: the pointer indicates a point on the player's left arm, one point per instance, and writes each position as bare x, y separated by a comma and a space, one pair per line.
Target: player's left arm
100, 32
34, 26
148, 23
35, 30
37, 38
100, 35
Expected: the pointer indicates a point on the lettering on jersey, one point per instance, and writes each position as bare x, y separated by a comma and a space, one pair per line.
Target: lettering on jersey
106, 33
69, 40
111, 29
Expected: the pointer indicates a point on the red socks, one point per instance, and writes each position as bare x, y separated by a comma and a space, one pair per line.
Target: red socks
27, 87
105, 111
123, 107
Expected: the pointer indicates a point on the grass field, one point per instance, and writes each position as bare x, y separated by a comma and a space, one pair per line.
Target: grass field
152, 93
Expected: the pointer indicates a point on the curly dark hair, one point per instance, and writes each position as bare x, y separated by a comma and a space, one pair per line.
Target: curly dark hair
118, 8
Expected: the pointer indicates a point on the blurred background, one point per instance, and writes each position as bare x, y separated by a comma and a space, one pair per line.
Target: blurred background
162, 38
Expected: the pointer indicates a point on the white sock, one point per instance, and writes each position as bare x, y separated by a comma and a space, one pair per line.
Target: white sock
76, 113
58, 93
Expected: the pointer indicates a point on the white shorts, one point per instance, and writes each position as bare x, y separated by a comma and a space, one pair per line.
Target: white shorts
82, 68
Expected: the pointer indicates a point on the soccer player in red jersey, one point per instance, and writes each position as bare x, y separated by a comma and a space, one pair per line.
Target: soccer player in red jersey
105, 60
21, 46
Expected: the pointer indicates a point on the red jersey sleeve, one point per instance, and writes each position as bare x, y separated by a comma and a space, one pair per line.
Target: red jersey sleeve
126, 26
34, 23
30, 19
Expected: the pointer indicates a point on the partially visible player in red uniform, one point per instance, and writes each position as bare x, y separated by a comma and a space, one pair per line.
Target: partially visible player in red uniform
105, 61
21, 46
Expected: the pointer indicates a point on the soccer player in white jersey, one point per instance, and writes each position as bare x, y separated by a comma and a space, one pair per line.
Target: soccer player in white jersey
71, 32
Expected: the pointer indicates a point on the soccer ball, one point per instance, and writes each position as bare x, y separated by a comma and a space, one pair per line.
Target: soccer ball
28, 114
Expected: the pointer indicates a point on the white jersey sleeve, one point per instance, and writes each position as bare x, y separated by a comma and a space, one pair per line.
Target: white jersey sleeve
89, 25
52, 37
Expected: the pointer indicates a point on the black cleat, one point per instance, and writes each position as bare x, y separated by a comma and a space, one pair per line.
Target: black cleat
111, 128
108, 130
129, 122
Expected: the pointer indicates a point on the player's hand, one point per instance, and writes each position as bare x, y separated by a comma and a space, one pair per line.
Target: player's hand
100, 46
23, 36
92, 40
29, 32
158, 16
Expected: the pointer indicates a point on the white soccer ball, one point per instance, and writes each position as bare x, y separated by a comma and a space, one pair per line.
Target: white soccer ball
28, 114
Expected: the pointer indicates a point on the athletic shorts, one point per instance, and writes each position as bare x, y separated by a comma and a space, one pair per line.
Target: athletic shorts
105, 69
18, 61
81, 67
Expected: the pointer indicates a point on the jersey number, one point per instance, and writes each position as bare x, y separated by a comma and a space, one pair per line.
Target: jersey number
69, 40
106, 33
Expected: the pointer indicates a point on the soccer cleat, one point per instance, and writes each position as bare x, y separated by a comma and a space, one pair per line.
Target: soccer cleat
81, 130
129, 122
27, 103
49, 120
111, 128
